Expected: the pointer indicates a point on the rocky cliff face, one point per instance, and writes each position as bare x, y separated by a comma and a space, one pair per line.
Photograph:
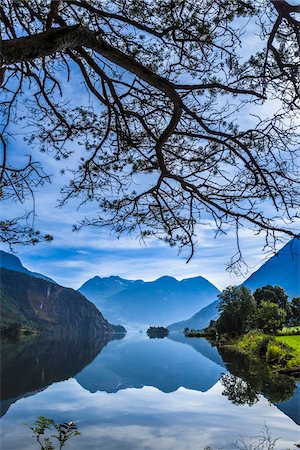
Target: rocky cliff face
43, 306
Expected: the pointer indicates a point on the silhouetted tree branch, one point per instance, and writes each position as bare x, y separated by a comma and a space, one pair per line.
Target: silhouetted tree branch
186, 121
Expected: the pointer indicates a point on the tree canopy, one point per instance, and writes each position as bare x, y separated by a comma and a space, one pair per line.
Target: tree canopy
237, 308
190, 114
273, 294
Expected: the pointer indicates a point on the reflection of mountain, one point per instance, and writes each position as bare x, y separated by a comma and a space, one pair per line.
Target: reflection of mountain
32, 364
291, 407
163, 364
201, 345
154, 303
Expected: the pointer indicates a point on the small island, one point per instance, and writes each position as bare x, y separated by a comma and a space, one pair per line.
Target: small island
157, 332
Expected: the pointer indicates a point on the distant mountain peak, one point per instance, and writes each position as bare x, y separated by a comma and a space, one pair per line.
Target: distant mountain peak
165, 279
149, 302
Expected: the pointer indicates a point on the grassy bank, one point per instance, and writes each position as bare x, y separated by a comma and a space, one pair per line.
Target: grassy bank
279, 352
291, 341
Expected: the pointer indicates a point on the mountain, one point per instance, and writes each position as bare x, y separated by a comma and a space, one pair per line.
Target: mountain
199, 320
282, 269
149, 303
39, 305
12, 262
99, 289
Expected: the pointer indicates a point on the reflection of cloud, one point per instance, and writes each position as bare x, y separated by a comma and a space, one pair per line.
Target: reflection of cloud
138, 419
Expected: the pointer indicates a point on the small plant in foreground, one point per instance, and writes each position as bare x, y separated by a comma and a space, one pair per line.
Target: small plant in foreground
65, 431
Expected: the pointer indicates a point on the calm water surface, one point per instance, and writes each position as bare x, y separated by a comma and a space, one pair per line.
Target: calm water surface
138, 393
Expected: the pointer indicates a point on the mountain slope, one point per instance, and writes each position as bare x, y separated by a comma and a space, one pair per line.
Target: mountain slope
282, 269
12, 262
47, 307
149, 303
199, 320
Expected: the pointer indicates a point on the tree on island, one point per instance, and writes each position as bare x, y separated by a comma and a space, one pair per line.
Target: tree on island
157, 332
167, 83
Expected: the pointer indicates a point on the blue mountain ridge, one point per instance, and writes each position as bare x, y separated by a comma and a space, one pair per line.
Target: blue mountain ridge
282, 269
12, 262
147, 303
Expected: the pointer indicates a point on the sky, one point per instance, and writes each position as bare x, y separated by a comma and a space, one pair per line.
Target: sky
74, 257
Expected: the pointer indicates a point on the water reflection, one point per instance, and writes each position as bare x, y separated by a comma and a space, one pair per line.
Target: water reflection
249, 378
238, 391
30, 364
139, 361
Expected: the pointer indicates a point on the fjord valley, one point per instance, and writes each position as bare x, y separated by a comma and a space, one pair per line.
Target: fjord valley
150, 226
136, 302
66, 355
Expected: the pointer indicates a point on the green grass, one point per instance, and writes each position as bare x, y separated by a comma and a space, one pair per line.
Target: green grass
292, 342
280, 352
289, 331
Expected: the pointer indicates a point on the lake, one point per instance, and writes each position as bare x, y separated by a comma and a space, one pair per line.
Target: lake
138, 393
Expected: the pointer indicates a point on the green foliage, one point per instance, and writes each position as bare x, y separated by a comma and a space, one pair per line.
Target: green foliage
157, 332
270, 317
268, 310
273, 294
293, 343
253, 342
237, 307
65, 431
289, 331
295, 311
278, 352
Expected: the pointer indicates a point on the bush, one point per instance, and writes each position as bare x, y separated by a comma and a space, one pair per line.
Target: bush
278, 354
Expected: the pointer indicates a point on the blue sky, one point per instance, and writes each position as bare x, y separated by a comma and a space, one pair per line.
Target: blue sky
72, 258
